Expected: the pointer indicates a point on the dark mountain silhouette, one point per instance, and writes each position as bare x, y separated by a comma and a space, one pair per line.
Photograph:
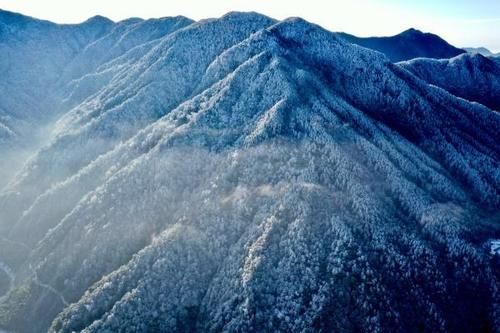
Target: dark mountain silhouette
407, 45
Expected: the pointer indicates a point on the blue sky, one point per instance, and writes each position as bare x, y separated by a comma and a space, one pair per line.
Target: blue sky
461, 22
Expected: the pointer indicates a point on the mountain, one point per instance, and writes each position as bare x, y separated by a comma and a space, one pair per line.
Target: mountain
470, 76
407, 45
243, 174
43, 63
482, 51
33, 53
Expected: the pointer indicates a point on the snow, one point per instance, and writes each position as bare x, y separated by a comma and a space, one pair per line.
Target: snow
495, 247
258, 176
9, 272
470, 76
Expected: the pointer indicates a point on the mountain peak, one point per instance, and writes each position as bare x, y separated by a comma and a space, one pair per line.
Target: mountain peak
481, 50
242, 15
295, 25
9, 14
14, 18
409, 44
412, 31
98, 19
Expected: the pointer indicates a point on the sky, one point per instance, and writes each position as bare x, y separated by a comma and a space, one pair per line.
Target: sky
463, 23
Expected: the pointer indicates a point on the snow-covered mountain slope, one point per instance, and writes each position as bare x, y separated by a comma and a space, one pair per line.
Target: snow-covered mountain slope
248, 175
33, 54
470, 76
44, 69
90, 71
123, 37
137, 95
407, 45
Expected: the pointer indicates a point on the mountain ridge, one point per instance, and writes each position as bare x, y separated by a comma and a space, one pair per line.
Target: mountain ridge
409, 44
481, 50
470, 76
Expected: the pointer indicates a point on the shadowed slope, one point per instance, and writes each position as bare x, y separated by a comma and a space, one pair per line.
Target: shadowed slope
407, 45
470, 76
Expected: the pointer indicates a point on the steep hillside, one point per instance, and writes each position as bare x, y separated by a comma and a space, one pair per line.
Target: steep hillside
138, 94
470, 76
246, 175
33, 54
407, 45
44, 67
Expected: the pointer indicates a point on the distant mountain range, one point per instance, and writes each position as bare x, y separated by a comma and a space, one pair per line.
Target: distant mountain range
244, 174
407, 45
481, 50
